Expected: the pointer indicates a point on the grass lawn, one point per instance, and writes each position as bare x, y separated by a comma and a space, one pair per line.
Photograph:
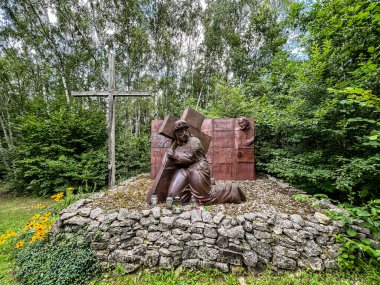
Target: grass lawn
14, 213
190, 277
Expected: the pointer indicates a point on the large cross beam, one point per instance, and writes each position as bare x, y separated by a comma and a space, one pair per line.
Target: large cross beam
111, 93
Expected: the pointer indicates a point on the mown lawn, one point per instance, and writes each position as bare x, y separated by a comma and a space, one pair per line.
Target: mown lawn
16, 211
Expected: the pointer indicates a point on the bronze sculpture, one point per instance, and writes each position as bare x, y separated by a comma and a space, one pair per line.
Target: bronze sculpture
193, 171
245, 126
230, 151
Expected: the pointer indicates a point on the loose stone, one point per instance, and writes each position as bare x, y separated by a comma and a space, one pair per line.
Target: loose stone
219, 218
207, 253
284, 262
134, 215
156, 211
95, 213
84, 212
210, 232
250, 258
206, 217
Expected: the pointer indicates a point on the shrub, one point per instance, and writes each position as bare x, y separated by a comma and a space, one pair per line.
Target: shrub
55, 263
357, 252
64, 148
132, 155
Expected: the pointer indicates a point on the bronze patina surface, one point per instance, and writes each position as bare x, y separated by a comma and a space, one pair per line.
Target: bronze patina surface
230, 152
165, 140
185, 170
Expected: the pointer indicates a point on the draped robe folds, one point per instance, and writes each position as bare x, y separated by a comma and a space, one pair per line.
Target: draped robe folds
194, 171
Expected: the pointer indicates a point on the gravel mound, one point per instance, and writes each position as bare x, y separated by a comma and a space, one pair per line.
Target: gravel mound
266, 194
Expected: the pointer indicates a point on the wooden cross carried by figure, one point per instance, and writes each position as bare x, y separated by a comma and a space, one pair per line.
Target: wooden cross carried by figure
162, 182
111, 93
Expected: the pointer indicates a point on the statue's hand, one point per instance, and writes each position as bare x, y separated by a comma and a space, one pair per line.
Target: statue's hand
170, 153
248, 143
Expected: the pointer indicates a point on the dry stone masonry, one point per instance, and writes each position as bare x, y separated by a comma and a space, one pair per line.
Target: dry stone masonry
195, 238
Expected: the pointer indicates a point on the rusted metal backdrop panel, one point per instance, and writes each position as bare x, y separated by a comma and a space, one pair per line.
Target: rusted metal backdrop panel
158, 147
228, 157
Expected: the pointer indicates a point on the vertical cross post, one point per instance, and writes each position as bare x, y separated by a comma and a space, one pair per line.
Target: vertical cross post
111, 93
111, 121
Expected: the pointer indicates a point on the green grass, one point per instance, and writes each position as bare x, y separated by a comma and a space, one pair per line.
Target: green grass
14, 213
211, 277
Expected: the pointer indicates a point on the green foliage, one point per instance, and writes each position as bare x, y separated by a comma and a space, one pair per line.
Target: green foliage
328, 149
303, 198
14, 214
317, 119
63, 148
132, 155
58, 263
341, 25
229, 102
357, 252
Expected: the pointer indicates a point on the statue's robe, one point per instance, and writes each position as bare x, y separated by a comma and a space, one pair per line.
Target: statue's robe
194, 171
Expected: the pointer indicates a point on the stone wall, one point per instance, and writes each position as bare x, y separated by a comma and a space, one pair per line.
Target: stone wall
158, 238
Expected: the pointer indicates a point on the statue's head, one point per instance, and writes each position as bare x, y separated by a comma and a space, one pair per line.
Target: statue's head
181, 131
244, 123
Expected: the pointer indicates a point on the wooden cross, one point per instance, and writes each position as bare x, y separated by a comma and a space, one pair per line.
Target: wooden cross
111, 93
162, 182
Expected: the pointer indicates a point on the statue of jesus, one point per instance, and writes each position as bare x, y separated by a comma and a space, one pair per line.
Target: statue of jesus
194, 171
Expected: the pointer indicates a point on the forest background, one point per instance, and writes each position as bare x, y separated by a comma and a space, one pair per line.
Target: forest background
308, 72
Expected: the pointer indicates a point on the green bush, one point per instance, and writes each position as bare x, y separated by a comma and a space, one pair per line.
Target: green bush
332, 150
357, 252
55, 263
63, 148
132, 155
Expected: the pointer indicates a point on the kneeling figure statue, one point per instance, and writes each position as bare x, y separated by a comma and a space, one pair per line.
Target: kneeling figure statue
194, 171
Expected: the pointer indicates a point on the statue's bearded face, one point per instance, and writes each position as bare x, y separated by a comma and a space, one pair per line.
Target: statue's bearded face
243, 124
182, 135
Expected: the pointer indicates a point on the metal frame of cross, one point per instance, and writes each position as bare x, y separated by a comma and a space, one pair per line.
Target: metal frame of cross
162, 182
111, 93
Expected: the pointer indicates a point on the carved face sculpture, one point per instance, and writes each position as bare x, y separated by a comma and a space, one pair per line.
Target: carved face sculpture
182, 135
244, 124
181, 132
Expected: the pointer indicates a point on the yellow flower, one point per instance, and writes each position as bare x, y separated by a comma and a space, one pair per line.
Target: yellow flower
29, 225
36, 226
7, 235
39, 206
40, 228
57, 197
11, 233
36, 216
20, 244
38, 235
3, 238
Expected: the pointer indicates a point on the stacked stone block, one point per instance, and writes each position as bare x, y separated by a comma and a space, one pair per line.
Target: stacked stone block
158, 238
